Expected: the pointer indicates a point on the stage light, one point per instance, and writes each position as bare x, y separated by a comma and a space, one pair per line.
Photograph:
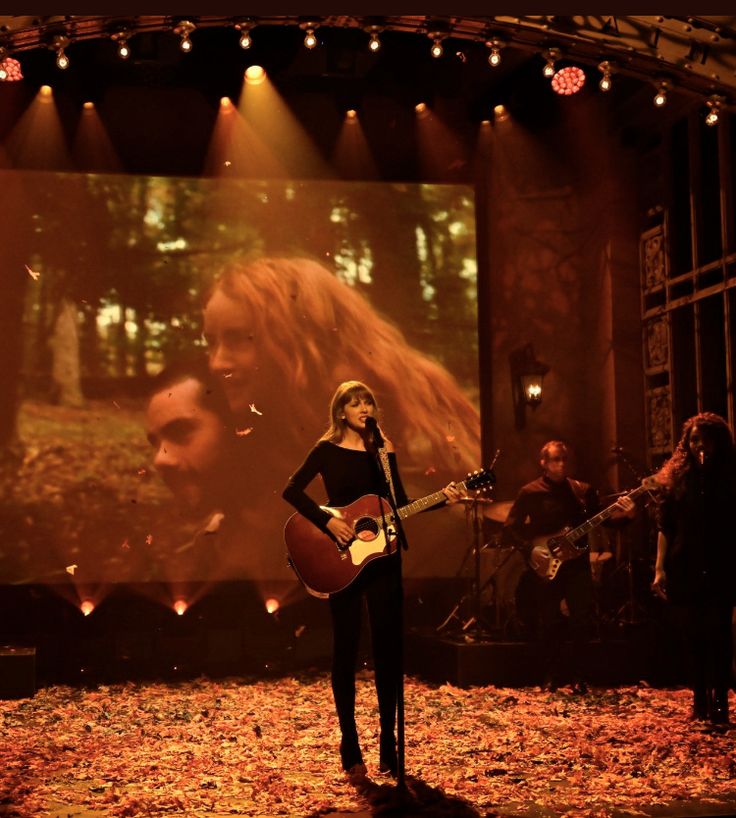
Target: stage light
660, 98
58, 43
180, 606
420, 107
568, 80
244, 27
10, 70
121, 38
437, 50
45, 91
272, 605
351, 114
494, 58
87, 607
714, 103
551, 55
374, 44
184, 29
255, 74
226, 104
88, 106
606, 69
500, 114
373, 26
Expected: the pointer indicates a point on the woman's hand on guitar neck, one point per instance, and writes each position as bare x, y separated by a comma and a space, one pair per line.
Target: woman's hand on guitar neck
340, 530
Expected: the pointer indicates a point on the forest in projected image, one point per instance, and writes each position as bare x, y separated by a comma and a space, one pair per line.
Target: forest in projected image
105, 280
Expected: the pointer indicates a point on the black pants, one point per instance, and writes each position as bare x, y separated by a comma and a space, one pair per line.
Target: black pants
574, 584
380, 585
709, 644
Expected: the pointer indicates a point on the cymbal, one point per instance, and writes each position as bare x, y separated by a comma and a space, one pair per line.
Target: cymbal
499, 511
476, 501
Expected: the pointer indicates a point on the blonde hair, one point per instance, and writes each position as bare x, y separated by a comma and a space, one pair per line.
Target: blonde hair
314, 330
344, 393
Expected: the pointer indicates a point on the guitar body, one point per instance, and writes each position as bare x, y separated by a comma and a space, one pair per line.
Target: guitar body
324, 566
550, 551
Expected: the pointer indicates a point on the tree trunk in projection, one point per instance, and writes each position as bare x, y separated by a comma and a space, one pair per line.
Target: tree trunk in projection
65, 348
14, 255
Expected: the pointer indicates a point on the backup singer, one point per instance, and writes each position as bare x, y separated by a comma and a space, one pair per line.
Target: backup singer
345, 457
696, 556
543, 507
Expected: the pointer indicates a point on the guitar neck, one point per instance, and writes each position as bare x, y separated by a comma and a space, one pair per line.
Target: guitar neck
426, 502
601, 517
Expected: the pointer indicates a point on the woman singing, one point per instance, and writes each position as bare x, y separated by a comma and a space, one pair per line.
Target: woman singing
345, 457
696, 556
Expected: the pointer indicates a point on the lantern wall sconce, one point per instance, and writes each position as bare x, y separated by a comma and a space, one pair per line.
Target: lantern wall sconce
527, 376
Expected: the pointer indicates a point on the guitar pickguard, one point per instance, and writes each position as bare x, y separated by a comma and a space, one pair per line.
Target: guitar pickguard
360, 550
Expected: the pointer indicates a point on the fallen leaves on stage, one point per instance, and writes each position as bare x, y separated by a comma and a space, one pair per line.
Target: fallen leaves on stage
269, 747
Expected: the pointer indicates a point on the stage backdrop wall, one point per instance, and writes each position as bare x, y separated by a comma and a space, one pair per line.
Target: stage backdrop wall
104, 281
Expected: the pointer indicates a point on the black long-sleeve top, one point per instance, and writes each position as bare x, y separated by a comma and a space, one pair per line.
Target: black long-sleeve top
347, 475
697, 520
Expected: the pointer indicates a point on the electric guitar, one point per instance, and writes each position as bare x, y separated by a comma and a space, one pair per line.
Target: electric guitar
325, 567
549, 551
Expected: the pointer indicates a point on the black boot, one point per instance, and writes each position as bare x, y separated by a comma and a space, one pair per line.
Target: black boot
719, 706
350, 753
389, 760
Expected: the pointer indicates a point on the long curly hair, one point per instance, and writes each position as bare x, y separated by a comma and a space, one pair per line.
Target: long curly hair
673, 472
313, 331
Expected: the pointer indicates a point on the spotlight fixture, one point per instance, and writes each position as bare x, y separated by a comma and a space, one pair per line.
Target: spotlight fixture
500, 113
272, 605
373, 30
310, 38
437, 31
180, 607
184, 29
121, 38
420, 107
244, 26
660, 98
494, 58
351, 114
58, 43
714, 103
606, 69
88, 105
87, 607
551, 55
568, 80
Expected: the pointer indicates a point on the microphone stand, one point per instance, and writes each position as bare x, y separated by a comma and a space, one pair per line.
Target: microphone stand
384, 466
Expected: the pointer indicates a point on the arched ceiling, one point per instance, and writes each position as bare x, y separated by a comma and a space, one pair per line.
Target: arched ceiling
697, 54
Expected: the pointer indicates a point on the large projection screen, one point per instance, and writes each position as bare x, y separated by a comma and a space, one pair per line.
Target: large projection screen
105, 279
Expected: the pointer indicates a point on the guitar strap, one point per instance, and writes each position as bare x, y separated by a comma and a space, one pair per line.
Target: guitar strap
386, 466
579, 491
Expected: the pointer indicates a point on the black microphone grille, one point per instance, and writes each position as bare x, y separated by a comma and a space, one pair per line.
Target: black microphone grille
370, 422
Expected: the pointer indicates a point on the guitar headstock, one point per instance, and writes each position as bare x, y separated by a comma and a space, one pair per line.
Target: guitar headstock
479, 480
651, 483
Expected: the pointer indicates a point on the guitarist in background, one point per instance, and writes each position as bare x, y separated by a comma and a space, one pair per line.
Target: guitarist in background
544, 507
345, 458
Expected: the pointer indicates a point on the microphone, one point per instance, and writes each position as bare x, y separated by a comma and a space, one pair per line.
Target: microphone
371, 424
701, 457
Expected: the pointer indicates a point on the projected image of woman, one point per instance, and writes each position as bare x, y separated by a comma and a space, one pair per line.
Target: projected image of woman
281, 331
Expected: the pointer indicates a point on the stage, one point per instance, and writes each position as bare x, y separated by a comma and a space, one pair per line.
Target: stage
246, 746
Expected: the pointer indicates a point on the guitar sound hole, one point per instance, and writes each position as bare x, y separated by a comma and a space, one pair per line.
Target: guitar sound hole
366, 529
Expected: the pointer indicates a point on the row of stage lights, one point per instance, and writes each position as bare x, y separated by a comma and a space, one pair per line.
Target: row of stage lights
565, 81
180, 606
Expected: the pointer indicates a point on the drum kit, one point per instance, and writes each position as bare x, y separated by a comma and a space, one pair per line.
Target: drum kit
501, 602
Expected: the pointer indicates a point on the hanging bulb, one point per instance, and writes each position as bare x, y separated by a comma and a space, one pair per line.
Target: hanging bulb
660, 98
310, 39
374, 43
245, 40
714, 110
184, 30
62, 61
437, 51
605, 83
123, 50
